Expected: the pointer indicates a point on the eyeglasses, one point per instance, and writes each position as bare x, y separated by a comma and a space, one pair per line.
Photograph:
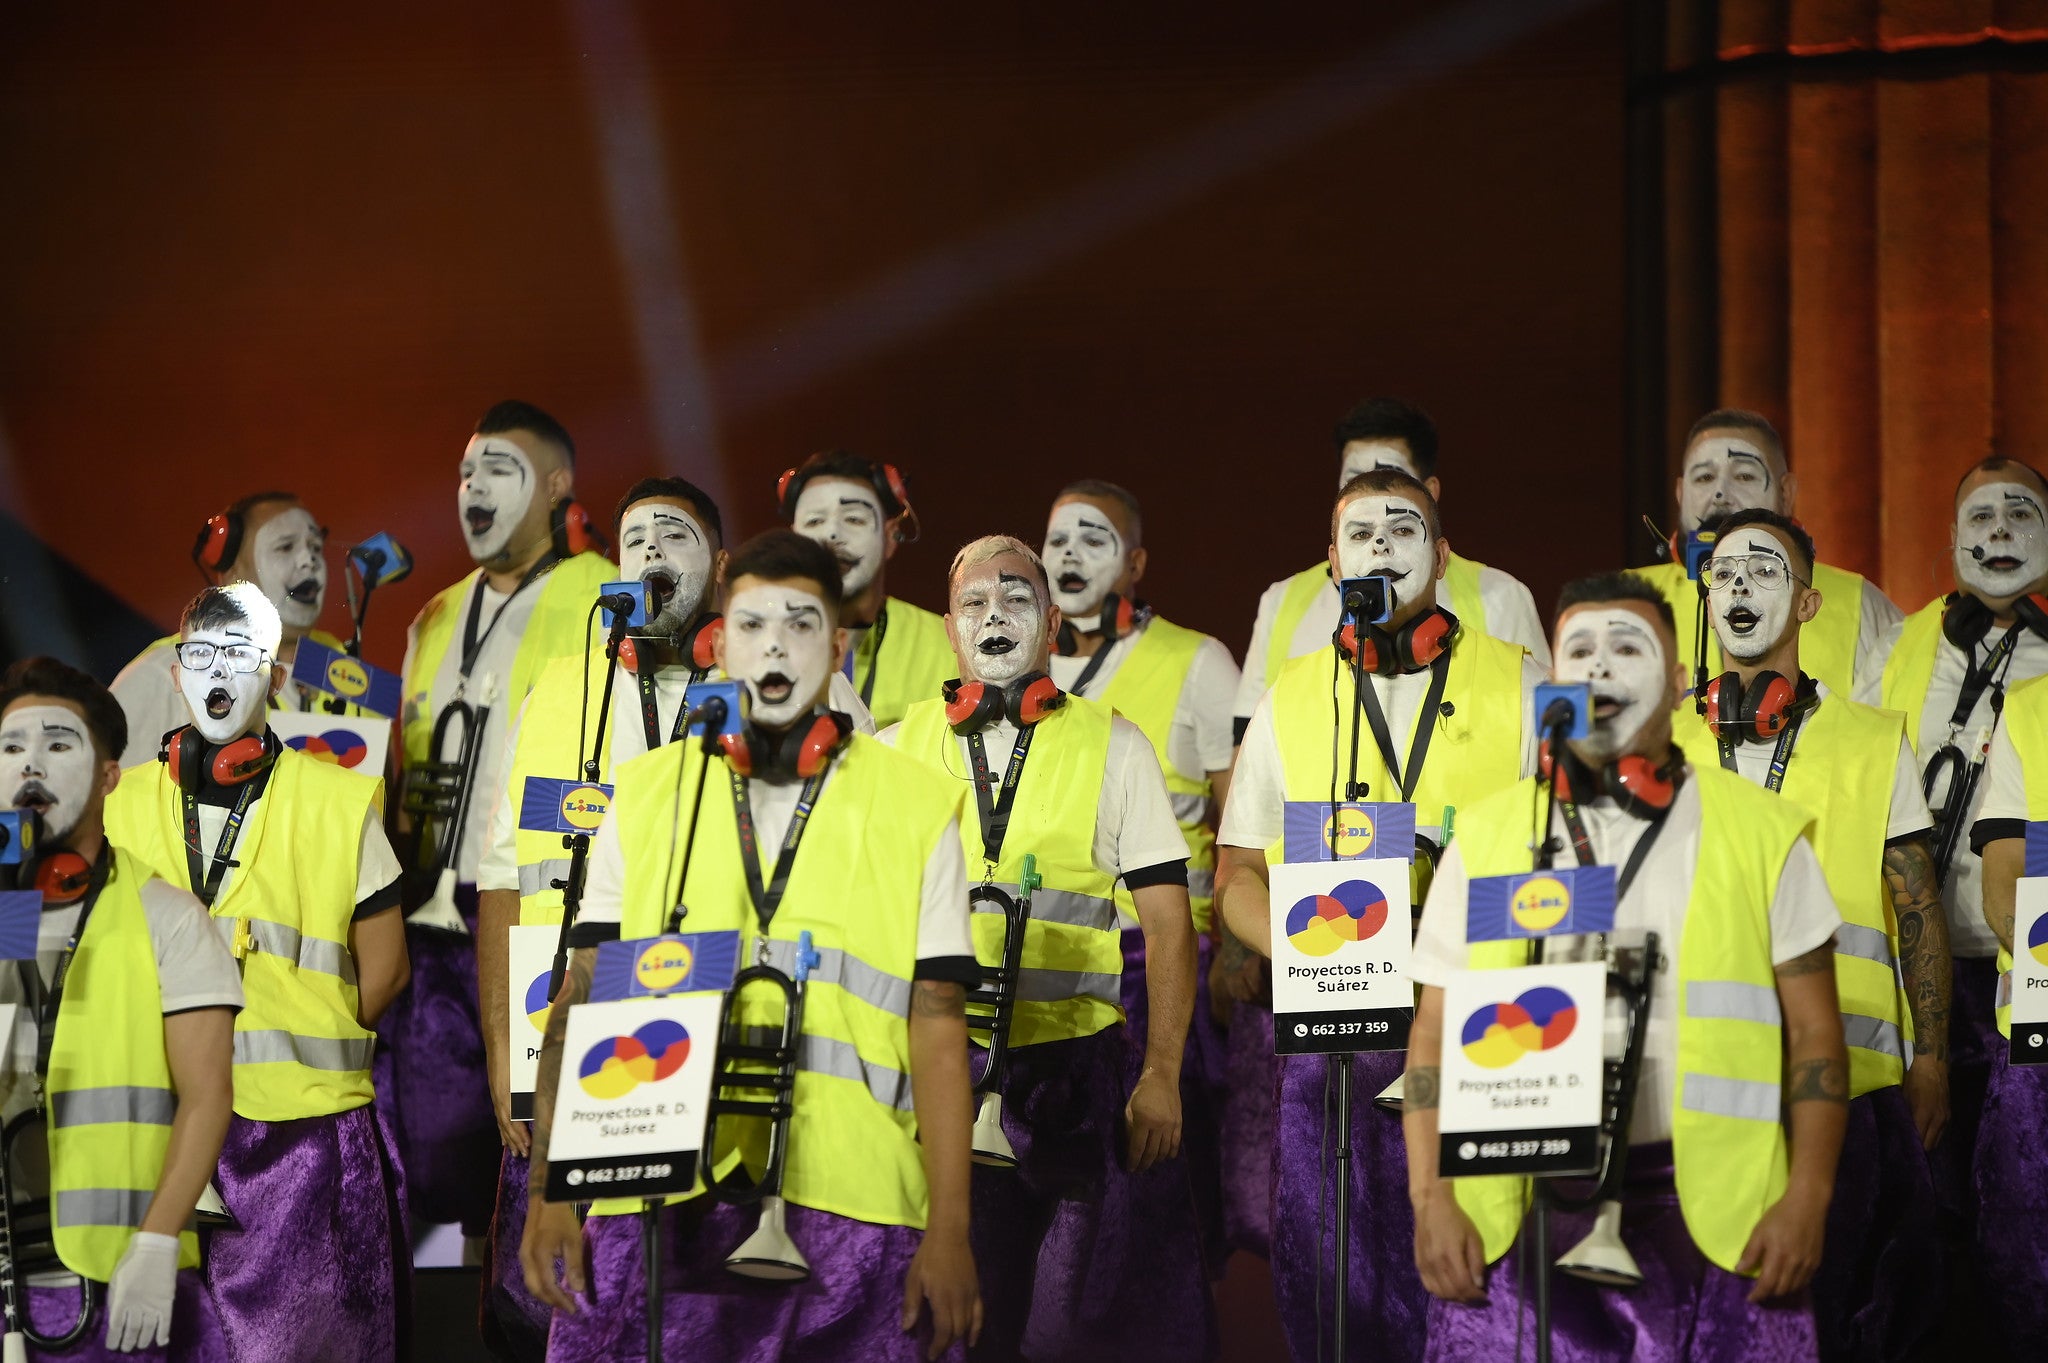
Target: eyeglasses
1767, 572
197, 656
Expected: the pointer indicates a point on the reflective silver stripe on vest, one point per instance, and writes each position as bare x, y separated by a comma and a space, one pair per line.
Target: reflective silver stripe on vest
1201, 883
1053, 986
103, 1206
314, 1052
1873, 1034
1187, 807
127, 1103
828, 1055
887, 992
1869, 944
1732, 1000
535, 876
1065, 907
1719, 1096
310, 953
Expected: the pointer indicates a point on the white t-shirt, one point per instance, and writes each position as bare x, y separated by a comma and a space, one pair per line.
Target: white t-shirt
1802, 916
625, 739
1909, 806
1510, 615
1877, 626
1256, 812
377, 868
154, 706
1200, 738
2002, 794
1134, 825
1962, 894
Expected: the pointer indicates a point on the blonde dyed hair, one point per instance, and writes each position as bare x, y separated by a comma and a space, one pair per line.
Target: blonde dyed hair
974, 553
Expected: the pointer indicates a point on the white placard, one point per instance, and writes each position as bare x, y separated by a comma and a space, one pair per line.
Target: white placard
2030, 971
357, 742
1341, 938
630, 1110
1521, 1070
532, 960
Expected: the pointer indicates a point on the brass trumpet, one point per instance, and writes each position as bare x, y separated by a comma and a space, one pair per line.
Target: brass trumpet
440, 791
998, 992
1601, 1257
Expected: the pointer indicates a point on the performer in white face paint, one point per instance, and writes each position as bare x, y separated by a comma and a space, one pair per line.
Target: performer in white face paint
289, 855
1297, 614
861, 511
876, 1187
1114, 1270
472, 655
1724, 875
1851, 768
137, 1001
1948, 668
1734, 461
267, 538
1426, 712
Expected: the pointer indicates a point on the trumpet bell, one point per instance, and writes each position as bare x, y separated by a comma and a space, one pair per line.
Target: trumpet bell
15, 1349
439, 912
1390, 1096
769, 1254
991, 1146
1601, 1257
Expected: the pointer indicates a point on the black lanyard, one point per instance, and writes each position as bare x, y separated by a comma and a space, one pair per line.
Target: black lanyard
1094, 665
1582, 846
53, 998
995, 808
650, 709
1406, 778
768, 899
1781, 755
205, 879
1976, 679
877, 632
472, 642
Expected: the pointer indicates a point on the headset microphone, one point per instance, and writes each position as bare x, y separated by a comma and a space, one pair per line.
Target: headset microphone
1977, 552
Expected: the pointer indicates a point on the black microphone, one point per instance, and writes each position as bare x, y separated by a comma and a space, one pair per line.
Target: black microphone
618, 604
1977, 552
1560, 714
711, 714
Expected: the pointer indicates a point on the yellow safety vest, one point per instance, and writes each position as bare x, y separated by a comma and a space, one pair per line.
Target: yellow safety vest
111, 1099
546, 747
1909, 668
856, 887
1827, 643
1145, 689
1727, 1132
1073, 955
1841, 775
916, 660
1476, 750
1458, 593
2026, 723
299, 1051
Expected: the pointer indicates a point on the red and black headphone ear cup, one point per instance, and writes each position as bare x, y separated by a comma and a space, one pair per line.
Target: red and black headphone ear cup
1768, 704
574, 531
1641, 785
629, 656
739, 750
782, 491
906, 519
219, 542
234, 763
1722, 704
703, 642
820, 740
63, 877
180, 752
1038, 697
972, 705
1368, 654
1551, 769
1427, 636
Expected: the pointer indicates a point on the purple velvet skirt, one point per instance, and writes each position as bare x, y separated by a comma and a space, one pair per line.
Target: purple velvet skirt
1386, 1300
431, 1084
515, 1322
321, 1268
1881, 1287
1687, 1310
195, 1329
2012, 1192
1972, 1041
1078, 1258
849, 1311
1251, 1074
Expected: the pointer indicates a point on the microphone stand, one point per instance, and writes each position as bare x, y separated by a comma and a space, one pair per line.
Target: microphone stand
578, 844
1542, 854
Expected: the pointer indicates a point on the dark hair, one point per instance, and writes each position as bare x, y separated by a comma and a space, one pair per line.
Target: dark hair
1998, 463
213, 608
783, 555
1739, 419
104, 719
1392, 419
841, 464
1784, 527
1604, 587
1389, 481
514, 415
675, 489
242, 506
1105, 491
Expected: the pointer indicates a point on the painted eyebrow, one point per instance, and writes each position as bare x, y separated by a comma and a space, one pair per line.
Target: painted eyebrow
1393, 510
50, 728
1087, 524
675, 518
864, 502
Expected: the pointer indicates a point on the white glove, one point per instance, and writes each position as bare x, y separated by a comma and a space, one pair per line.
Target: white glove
139, 1296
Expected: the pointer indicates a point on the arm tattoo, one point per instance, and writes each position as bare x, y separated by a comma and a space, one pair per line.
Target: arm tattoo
937, 999
1419, 1090
1923, 943
1818, 1081
1820, 958
575, 990
1234, 953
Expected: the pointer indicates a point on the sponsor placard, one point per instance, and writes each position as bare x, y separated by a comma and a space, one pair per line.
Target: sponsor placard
2028, 982
320, 668
532, 961
1341, 938
1558, 903
357, 742
549, 804
21, 916
1521, 1070
1351, 831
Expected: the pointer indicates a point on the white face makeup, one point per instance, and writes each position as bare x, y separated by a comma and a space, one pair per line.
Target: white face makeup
845, 517
289, 553
1617, 653
1000, 620
660, 541
225, 704
1384, 534
1750, 593
47, 761
1363, 456
1726, 473
778, 644
1084, 554
2001, 539
494, 494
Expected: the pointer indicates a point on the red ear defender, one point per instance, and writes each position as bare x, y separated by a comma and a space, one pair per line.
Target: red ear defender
1427, 636
817, 743
1770, 702
971, 706
802, 753
629, 656
738, 751
1722, 706
702, 642
1368, 657
63, 878
1557, 773
219, 542
574, 531
1640, 785
1035, 699
192, 759
782, 492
